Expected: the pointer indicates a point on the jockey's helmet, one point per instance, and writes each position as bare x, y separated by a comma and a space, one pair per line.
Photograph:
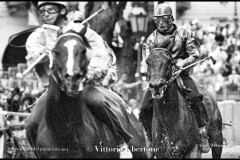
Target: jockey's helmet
163, 17
59, 3
162, 10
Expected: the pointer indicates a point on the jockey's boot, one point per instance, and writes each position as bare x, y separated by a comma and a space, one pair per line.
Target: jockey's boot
205, 148
124, 151
202, 119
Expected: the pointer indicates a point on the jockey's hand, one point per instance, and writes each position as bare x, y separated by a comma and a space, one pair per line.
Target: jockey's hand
180, 63
95, 74
77, 27
111, 77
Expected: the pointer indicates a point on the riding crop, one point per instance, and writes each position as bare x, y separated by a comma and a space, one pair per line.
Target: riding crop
175, 74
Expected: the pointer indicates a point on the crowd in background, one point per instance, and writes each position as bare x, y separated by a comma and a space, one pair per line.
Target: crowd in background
221, 43
16, 100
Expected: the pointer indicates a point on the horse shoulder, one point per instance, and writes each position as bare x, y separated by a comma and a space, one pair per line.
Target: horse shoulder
209, 99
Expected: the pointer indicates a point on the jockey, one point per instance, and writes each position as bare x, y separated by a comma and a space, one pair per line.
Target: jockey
185, 50
43, 40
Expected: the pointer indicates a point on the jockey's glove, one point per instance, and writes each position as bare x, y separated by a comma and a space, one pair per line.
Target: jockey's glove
77, 27
95, 73
181, 63
111, 77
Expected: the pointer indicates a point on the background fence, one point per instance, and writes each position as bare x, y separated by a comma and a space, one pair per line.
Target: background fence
230, 111
9, 80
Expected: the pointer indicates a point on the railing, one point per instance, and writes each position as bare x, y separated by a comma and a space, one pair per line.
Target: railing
9, 80
21, 83
228, 92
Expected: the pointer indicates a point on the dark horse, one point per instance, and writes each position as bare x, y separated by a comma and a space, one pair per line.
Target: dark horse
174, 126
66, 127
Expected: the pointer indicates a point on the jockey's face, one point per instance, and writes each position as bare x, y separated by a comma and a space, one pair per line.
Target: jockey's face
50, 14
163, 22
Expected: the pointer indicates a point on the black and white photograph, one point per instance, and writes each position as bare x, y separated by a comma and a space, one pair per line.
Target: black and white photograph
120, 79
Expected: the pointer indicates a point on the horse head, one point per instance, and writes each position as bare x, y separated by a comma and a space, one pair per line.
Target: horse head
69, 61
160, 64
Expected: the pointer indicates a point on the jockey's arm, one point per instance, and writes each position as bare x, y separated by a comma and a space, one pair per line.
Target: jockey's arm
98, 55
35, 46
192, 50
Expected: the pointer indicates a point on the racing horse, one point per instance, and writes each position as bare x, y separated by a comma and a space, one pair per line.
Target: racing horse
67, 128
174, 130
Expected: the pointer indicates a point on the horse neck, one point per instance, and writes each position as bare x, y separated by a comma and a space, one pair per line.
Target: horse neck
172, 112
168, 107
173, 124
61, 109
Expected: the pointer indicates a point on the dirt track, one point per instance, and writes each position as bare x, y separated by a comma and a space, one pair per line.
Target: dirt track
228, 152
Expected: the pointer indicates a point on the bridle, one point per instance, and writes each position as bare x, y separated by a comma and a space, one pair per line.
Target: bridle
54, 71
174, 68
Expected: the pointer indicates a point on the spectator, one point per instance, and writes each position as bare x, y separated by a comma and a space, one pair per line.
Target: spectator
234, 78
134, 107
25, 103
